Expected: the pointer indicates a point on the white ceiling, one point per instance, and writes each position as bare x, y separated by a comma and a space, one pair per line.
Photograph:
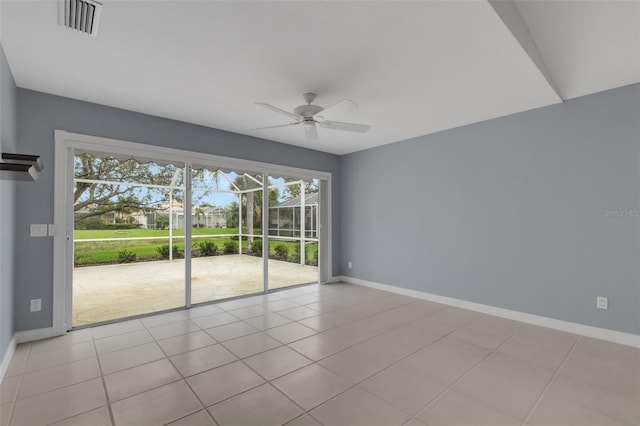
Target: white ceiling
413, 67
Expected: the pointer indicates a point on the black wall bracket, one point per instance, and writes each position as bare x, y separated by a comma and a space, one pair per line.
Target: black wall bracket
20, 167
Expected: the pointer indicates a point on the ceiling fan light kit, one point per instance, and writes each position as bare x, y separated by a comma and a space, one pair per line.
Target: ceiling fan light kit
311, 116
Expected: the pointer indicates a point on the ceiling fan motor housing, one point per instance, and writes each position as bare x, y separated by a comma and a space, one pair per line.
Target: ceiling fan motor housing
307, 111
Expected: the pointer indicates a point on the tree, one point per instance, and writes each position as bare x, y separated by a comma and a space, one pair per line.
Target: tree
199, 214
243, 182
101, 185
162, 221
251, 203
292, 191
231, 215
123, 207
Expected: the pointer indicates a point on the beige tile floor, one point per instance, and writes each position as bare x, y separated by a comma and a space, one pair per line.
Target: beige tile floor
108, 292
335, 354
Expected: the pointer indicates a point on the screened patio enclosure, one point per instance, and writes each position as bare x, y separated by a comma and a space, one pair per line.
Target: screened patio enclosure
285, 218
189, 220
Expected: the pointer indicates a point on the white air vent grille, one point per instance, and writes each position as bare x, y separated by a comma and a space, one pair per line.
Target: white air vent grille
80, 15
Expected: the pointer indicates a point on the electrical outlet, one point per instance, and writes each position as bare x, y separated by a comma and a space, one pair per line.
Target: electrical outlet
350, 264
53, 230
36, 305
602, 302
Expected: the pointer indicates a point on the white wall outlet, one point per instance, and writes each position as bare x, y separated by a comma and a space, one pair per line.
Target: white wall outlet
38, 230
36, 305
602, 302
350, 264
53, 230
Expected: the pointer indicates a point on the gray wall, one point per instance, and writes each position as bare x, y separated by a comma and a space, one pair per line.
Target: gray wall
510, 212
8, 140
39, 114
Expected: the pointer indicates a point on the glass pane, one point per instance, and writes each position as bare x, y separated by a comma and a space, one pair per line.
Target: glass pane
128, 240
131, 171
226, 259
293, 236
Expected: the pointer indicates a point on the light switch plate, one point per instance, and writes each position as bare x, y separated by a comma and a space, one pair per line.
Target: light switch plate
38, 230
53, 230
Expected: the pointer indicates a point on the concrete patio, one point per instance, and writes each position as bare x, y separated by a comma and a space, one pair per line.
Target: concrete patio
103, 293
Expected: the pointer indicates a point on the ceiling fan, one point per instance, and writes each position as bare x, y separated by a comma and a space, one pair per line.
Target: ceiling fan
311, 116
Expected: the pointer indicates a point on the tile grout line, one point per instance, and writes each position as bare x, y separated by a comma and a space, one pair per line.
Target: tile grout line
101, 372
144, 363
551, 380
242, 360
204, 407
274, 386
21, 375
146, 328
168, 358
104, 383
219, 342
370, 338
459, 379
392, 329
24, 371
59, 388
182, 378
13, 407
308, 412
356, 385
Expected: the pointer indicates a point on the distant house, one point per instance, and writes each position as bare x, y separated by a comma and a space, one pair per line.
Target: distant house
214, 217
149, 220
82, 213
88, 213
205, 217
285, 218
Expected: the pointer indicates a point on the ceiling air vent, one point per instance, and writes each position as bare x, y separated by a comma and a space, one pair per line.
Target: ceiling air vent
80, 15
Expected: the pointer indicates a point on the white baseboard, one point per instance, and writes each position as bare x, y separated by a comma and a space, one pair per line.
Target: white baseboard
37, 334
6, 358
627, 339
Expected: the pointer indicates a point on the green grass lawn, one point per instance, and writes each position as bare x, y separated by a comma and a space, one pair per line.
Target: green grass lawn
141, 233
107, 252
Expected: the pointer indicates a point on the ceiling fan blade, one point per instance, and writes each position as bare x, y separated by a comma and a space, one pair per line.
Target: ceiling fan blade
311, 133
336, 110
279, 111
349, 127
275, 127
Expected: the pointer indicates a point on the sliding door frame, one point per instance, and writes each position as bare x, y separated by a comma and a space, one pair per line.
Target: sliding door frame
65, 145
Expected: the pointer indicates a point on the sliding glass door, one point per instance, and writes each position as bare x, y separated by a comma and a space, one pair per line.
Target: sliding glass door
153, 234
293, 231
226, 235
128, 237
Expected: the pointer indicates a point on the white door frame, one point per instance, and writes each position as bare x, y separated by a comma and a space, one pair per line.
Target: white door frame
66, 142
